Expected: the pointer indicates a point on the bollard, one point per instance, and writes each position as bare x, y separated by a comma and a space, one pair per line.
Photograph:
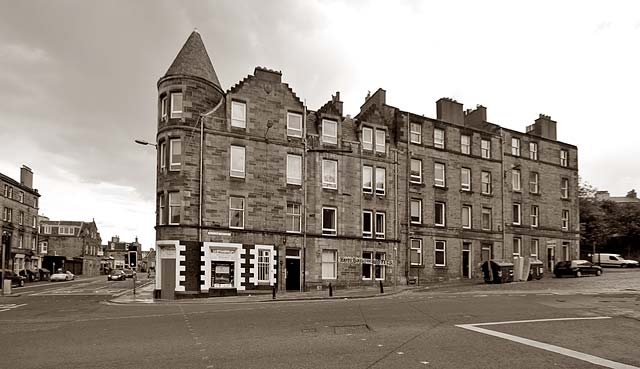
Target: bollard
330, 290
273, 293
381, 287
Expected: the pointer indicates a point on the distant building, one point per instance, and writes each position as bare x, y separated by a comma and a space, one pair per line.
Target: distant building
631, 198
19, 221
117, 254
71, 245
255, 190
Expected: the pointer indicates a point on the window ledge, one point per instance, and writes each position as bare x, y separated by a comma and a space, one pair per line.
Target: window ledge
443, 188
417, 266
535, 194
467, 192
441, 267
487, 194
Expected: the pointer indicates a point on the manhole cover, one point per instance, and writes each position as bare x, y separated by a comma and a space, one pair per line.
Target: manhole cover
309, 330
351, 329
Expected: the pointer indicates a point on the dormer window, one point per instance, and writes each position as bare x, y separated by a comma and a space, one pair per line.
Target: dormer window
381, 137
367, 138
176, 105
238, 114
329, 131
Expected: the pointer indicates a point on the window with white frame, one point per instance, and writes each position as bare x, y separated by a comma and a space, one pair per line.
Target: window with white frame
46, 229
294, 217
329, 264
367, 224
174, 207
329, 131
416, 133
163, 155
486, 183
176, 105
237, 161
381, 137
236, 212
517, 214
175, 153
440, 251
564, 158
535, 215
34, 222
380, 225
416, 171
44, 246
21, 196
380, 181
367, 138
535, 248
440, 214
416, 211
565, 219
294, 169
264, 265
466, 216
485, 149
517, 247
6, 190
533, 150
564, 188
439, 174
66, 230
329, 174
486, 219
294, 124
161, 209
329, 223
465, 179
238, 114
367, 179
20, 240
21, 218
533, 182
438, 138
515, 146
465, 144
379, 266
164, 108
367, 265
8, 215
415, 254
516, 180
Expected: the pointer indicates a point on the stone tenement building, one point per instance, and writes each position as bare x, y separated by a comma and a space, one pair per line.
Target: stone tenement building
71, 245
19, 221
254, 190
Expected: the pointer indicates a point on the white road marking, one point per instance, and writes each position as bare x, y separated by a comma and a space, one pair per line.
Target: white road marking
7, 307
545, 346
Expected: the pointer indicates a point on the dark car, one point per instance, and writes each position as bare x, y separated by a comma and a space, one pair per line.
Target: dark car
576, 268
16, 280
129, 273
116, 275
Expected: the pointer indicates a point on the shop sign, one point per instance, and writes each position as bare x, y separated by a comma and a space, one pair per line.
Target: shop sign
358, 260
223, 254
212, 233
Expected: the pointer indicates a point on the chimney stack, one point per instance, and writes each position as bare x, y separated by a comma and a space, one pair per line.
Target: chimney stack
450, 111
475, 117
543, 127
26, 176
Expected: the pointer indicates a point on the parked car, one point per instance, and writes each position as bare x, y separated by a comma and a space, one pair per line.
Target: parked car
577, 268
129, 273
62, 276
116, 275
16, 280
613, 260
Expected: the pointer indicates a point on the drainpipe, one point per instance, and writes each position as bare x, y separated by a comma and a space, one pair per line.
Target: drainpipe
502, 185
201, 166
396, 225
304, 198
408, 208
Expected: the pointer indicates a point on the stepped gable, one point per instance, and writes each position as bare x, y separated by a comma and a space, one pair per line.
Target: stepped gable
193, 60
238, 86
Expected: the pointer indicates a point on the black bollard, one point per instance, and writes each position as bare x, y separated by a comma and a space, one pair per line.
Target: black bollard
330, 290
381, 287
273, 293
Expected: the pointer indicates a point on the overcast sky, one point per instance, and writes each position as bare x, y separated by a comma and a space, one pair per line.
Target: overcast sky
78, 80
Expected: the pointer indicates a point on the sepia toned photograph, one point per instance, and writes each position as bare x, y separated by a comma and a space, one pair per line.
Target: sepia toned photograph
319, 184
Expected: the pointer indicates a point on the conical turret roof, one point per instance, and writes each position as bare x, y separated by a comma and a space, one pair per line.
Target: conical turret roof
193, 60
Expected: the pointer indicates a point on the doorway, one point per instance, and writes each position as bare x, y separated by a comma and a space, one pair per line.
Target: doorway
292, 270
466, 260
168, 281
551, 258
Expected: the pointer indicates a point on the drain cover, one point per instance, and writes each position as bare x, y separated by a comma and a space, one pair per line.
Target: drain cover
351, 329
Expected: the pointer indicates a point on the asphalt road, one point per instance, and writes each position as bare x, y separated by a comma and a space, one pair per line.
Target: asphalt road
596, 323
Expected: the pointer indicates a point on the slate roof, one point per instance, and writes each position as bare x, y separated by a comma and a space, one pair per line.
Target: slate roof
193, 60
